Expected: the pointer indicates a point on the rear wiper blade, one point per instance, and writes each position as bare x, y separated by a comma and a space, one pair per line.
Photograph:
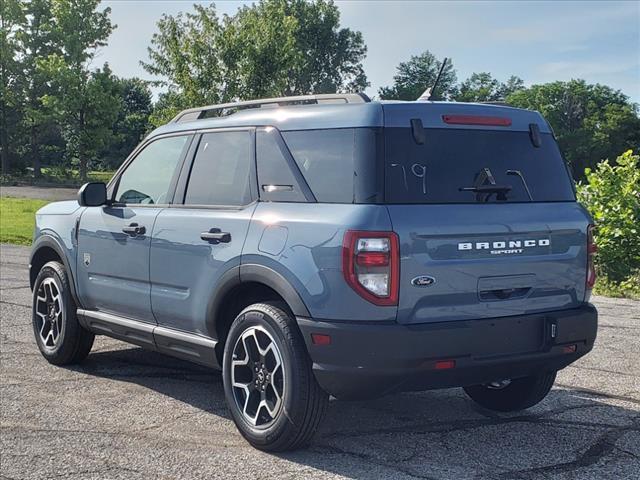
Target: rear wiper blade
487, 189
500, 190
518, 173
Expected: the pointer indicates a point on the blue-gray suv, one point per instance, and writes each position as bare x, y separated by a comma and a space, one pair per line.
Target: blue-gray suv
329, 245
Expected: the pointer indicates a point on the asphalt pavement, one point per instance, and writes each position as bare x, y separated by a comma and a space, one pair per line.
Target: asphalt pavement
39, 192
126, 413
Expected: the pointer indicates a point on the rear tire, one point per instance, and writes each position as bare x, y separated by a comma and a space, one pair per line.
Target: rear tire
519, 394
265, 360
59, 336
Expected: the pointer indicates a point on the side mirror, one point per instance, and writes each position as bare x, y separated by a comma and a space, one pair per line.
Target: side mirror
92, 194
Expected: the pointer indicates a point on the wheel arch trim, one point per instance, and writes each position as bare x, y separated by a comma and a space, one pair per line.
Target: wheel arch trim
254, 272
49, 241
246, 273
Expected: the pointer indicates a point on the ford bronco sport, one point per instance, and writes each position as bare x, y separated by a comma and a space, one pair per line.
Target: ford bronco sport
329, 245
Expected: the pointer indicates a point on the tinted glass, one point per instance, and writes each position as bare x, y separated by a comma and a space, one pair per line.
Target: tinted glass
326, 160
148, 178
451, 159
221, 170
275, 178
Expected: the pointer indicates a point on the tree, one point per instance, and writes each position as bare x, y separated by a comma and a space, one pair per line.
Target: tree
414, 76
185, 53
85, 103
293, 47
479, 87
482, 87
132, 121
11, 18
612, 196
272, 48
37, 38
512, 85
591, 122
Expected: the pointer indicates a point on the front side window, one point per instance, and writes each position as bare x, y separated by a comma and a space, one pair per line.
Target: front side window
221, 172
147, 179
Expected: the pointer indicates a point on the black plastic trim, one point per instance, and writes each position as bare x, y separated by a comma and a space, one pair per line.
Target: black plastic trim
253, 272
170, 341
51, 242
227, 281
364, 361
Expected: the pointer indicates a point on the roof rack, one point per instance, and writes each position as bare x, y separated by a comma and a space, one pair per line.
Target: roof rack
496, 102
197, 113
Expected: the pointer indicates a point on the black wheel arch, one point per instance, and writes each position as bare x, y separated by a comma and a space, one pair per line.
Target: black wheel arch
253, 272
45, 249
243, 285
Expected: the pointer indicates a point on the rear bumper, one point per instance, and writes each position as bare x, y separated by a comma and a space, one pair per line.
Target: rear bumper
368, 360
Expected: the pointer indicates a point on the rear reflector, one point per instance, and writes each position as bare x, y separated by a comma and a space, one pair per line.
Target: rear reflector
445, 364
372, 259
476, 120
320, 339
569, 348
591, 251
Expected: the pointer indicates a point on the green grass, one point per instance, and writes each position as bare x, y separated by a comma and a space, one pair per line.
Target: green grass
17, 219
56, 177
72, 175
629, 288
100, 176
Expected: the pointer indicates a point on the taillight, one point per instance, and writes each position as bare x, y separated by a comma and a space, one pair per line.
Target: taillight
370, 262
591, 250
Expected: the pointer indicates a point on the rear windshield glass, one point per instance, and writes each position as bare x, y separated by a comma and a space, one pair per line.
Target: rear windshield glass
469, 166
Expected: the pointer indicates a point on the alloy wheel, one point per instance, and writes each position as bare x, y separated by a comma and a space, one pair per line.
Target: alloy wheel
257, 377
49, 313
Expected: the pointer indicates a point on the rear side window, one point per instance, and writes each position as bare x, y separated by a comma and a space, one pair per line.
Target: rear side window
147, 179
275, 178
326, 160
467, 166
221, 171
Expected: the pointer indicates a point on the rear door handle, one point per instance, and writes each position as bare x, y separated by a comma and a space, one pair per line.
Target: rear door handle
134, 230
214, 236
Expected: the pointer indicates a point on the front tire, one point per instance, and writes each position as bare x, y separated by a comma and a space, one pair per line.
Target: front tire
517, 394
59, 336
269, 386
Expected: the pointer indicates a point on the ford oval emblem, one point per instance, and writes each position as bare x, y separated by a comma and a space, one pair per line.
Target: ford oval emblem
423, 281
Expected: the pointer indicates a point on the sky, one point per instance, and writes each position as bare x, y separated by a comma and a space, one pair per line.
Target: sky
539, 41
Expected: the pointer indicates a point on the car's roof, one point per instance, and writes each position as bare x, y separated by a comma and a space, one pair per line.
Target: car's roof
354, 115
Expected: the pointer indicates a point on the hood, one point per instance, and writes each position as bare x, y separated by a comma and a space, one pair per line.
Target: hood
66, 207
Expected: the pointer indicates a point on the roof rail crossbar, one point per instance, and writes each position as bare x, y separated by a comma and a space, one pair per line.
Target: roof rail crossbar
197, 113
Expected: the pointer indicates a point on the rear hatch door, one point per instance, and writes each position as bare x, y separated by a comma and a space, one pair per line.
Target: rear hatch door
486, 215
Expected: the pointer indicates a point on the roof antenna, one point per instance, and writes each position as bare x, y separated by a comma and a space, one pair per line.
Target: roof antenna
426, 96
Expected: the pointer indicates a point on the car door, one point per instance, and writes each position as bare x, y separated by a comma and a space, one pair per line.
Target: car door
200, 238
114, 240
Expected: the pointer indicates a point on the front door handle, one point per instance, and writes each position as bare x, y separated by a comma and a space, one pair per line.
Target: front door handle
133, 230
214, 235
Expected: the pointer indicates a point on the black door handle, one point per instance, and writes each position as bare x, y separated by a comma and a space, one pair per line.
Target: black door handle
214, 235
134, 230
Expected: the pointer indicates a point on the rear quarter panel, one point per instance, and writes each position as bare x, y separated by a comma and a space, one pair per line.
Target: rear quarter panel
303, 242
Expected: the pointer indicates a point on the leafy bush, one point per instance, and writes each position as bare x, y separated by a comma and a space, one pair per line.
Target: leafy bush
612, 196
